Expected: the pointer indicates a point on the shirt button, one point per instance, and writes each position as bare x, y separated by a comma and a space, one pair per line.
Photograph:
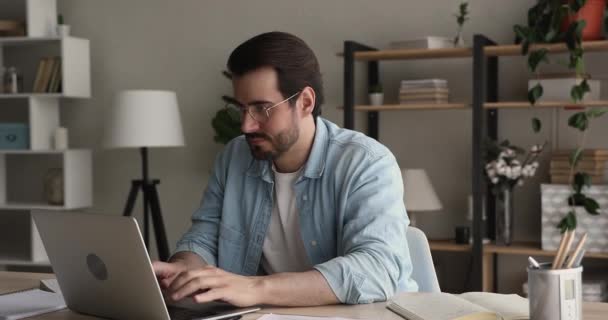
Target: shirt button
305, 197
313, 243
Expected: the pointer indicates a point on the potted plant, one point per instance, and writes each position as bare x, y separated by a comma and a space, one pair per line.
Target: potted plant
507, 166
552, 21
63, 30
461, 18
376, 96
227, 122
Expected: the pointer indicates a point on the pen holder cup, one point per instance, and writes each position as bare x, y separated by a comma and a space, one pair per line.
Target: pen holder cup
555, 294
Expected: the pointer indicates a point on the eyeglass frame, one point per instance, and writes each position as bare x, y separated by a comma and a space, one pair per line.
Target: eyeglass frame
232, 101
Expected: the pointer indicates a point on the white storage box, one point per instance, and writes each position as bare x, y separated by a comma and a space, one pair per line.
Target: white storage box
558, 89
555, 207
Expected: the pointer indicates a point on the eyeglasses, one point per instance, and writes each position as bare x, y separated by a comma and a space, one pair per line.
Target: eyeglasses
258, 112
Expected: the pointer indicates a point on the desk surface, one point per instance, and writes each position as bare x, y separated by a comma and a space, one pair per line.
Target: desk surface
12, 281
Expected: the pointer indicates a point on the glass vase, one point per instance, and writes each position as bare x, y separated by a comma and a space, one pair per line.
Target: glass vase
504, 218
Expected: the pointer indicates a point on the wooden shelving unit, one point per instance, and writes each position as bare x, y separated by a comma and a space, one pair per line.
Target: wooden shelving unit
401, 107
543, 104
406, 54
515, 50
449, 246
484, 106
532, 249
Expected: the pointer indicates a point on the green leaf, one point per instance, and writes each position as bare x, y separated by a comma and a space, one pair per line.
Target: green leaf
581, 180
591, 206
575, 157
536, 125
568, 222
596, 113
535, 93
521, 32
576, 93
536, 57
579, 121
577, 199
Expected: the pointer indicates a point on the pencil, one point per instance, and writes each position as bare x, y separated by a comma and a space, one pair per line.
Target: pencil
574, 254
562, 243
562, 257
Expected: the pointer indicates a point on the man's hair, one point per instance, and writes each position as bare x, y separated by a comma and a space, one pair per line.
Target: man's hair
294, 62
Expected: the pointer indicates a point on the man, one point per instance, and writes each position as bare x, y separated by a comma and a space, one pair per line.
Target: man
297, 212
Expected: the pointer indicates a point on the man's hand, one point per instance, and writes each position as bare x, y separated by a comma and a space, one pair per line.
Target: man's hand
210, 283
167, 272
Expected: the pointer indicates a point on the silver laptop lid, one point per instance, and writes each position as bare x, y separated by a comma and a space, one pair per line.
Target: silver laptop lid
101, 265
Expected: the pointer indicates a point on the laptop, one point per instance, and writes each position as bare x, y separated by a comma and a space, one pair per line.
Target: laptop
103, 269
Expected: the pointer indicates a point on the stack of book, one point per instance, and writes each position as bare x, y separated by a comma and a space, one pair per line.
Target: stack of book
48, 75
423, 91
593, 162
430, 42
594, 291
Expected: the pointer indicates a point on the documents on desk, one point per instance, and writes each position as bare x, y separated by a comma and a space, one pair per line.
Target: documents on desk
290, 317
470, 305
28, 303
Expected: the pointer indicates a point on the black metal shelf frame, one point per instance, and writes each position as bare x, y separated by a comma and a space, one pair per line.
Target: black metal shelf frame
485, 125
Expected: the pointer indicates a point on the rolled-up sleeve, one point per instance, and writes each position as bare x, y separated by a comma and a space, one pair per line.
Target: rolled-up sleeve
202, 237
374, 260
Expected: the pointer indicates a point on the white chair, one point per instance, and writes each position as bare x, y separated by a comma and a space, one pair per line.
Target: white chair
420, 253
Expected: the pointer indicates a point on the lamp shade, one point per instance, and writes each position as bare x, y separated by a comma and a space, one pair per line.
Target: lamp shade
143, 118
418, 192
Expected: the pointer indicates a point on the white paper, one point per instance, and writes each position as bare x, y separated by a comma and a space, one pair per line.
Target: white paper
29, 303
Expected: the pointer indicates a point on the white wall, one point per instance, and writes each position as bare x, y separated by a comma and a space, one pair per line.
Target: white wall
183, 46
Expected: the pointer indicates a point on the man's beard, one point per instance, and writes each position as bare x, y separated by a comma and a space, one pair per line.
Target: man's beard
280, 144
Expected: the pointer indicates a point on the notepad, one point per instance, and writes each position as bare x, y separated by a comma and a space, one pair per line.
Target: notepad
29, 303
466, 306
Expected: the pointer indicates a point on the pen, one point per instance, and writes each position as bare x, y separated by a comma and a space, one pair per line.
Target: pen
574, 254
579, 258
533, 263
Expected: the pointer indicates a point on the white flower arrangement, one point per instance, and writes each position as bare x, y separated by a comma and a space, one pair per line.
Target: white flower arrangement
505, 170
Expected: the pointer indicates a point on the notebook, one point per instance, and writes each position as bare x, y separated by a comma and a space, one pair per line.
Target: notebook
466, 306
29, 303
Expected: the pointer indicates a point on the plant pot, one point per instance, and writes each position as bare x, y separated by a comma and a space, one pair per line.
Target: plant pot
593, 13
63, 30
376, 99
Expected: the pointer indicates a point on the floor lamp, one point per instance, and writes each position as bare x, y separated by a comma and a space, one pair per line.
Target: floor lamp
145, 119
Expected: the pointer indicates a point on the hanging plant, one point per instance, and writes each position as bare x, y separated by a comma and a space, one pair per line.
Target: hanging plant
546, 25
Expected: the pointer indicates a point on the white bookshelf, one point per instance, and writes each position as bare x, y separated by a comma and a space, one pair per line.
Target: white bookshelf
22, 172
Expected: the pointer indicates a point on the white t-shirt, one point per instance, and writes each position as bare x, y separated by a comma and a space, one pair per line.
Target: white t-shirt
283, 249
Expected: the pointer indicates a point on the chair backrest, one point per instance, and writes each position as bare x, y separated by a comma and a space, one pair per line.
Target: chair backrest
420, 253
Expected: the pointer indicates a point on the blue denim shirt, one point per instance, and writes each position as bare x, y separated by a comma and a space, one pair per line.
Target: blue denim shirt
351, 211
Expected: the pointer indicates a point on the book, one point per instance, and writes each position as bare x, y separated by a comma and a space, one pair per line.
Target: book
53, 76
430, 42
46, 74
565, 179
466, 306
584, 164
39, 70
587, 154
29, 303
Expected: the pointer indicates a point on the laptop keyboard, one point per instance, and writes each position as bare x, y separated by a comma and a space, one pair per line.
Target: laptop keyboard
177, 313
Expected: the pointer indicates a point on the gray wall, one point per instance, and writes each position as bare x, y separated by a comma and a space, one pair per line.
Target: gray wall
183, 46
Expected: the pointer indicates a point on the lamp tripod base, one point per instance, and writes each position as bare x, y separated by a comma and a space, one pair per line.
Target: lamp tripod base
151, 201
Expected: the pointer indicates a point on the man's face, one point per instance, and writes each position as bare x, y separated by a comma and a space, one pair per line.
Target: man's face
268, 137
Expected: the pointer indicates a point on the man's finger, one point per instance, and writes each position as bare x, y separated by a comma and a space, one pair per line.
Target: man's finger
187, 276
211, 295
195, 285
163, 269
